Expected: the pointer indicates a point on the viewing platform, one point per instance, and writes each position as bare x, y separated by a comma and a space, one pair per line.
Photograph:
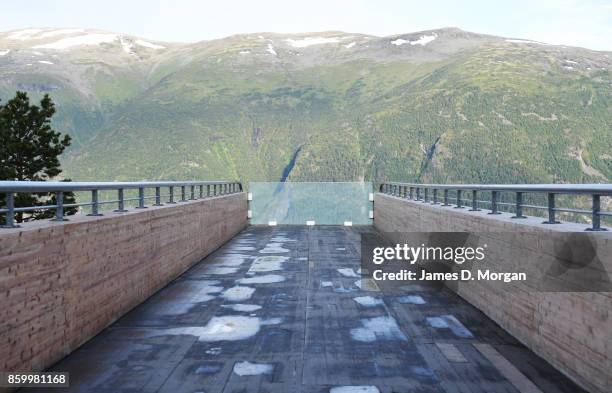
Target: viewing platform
188, 294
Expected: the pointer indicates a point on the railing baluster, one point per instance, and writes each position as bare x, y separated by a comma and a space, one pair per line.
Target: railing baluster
192, 193
418, 193
596, 218
201, 189
551, 210
158, 197
519, 206
494, 203
425, 192
141, 198
9, 221
121, 201
446, 197
474, 201
95, 204
183, 195
411, 192
458, 204
171, 195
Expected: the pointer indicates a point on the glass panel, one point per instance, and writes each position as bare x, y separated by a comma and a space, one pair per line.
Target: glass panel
324, 203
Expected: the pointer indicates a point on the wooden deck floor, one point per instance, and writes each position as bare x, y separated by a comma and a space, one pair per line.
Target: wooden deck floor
279, 309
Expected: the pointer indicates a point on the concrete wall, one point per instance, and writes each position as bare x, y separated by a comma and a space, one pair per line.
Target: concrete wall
572, 330
62, 283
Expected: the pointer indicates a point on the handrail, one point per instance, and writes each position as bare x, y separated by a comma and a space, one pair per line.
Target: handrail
10, 188
596, 191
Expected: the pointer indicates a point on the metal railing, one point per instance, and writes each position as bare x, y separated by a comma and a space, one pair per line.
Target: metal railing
421, 192
189, 190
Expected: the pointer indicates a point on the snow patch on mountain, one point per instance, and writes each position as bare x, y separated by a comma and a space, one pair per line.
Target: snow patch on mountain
57, 32
85, 39
271, 50
308, 41
24, 34
349, 46
399, 41
148, 44
4, 52
44, 62
423, 40
127, 46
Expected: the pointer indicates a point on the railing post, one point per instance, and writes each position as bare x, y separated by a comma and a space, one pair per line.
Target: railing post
141, 198
435, 197
425, 192
95, 204
183, 195
208, 190
59, 207
596, 218
121, 202
418, 193
201, 189
494, 203
519, 206
9, 221
446, 197
411, 192
458, 200
551, 210
171, 196
474, 201
192, 193
158, 197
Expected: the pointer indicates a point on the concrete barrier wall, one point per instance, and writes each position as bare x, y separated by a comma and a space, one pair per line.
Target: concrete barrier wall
62, 283
571, 330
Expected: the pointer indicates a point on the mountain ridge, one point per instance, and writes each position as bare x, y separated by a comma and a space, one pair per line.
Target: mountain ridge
436, 105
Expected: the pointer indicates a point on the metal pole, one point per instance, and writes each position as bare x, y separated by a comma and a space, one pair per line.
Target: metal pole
208, 190
141, 198
201, 191
95, 204
425, 192
551, 210
411, 192
158, 197
171, 197
519, 206
192, 193
494, 203
183, 194
418, 193
474, 201
435, 196
446, 198
59, 206
9, 221
596, 217
121, 206
458, 200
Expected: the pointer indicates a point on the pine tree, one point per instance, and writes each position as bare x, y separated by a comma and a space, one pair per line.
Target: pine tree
30, 150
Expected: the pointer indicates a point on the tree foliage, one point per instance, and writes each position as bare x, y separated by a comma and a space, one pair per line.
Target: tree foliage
30, 150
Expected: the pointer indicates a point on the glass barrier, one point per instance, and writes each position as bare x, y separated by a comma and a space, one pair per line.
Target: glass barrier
325, 203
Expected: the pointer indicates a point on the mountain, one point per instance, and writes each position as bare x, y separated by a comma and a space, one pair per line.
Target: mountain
443, 105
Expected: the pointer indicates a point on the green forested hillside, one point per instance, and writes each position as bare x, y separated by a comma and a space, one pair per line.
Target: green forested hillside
462, 107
